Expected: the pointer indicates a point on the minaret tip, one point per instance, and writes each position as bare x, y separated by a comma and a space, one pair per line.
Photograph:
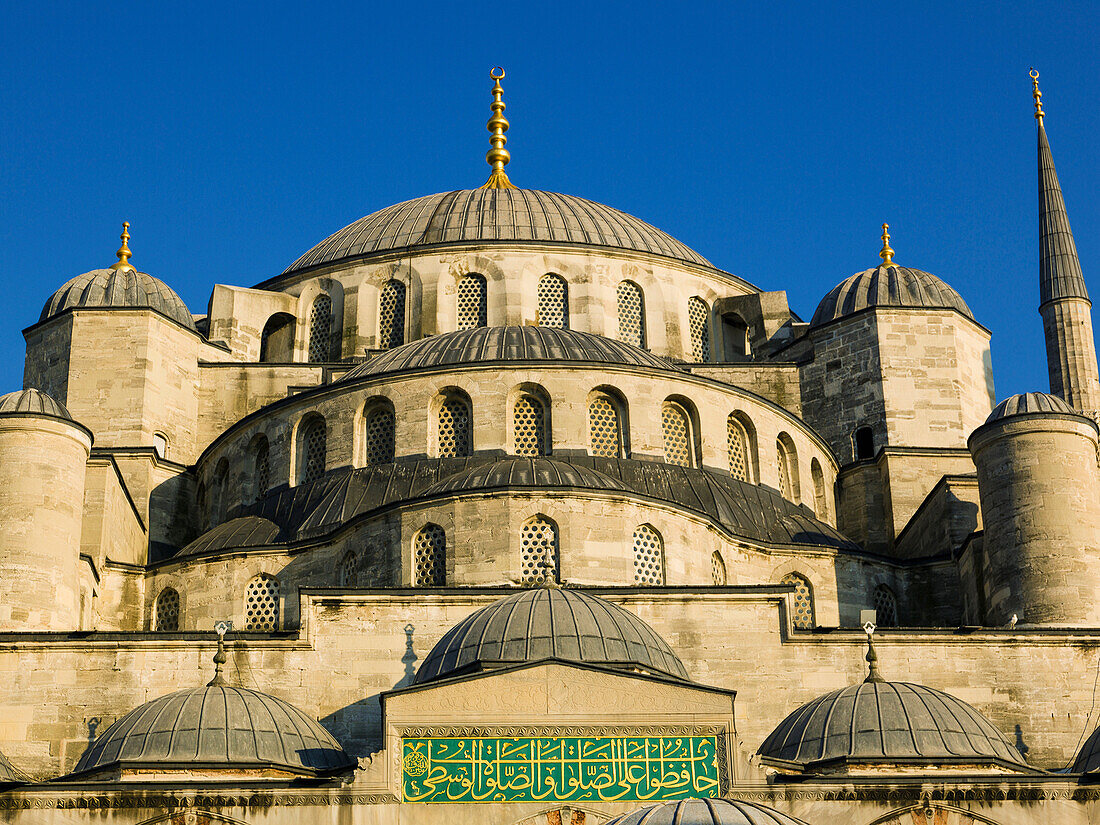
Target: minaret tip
498, 156
1035, 93
124, 252
887, 254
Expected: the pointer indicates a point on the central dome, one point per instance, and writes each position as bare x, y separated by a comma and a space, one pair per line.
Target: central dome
495, 215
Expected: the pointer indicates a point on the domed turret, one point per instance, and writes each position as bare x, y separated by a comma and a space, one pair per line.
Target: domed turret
705, 812
34, 402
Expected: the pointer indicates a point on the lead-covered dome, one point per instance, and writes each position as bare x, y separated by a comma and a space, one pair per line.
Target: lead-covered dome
1029, 403
1088, 758
889, 286
495, 215
705, 812
550, 623
34, 402
112, 288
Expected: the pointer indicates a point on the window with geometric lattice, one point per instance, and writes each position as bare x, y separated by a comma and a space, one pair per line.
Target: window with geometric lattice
538, 550
886, 607
455, 435
717, 569
631, 304
605, 434
378, 436
261, 467
349, 570
430, 557
783, 463
391, 315
529, 426
649, 561
802, 600
738, 444
167, 610
553, 302
471, 302
313, 436
676, 429
699, 326
320, 329
261, 604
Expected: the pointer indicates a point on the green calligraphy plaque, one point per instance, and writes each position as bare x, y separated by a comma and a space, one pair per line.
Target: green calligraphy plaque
559, 769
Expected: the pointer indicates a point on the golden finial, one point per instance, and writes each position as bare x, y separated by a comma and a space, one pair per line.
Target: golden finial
887, 254
498, 156
124, 252
1035, 93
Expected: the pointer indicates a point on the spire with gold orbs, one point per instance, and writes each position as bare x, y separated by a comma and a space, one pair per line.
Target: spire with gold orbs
124, 254
498, 156
887, 254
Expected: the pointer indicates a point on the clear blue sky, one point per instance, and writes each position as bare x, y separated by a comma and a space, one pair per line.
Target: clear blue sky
774, 139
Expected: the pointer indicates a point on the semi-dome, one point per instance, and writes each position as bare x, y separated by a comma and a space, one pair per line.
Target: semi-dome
33, 401
525, 472
1029, 403
550, 623
494, 215
888, 286
516, 343
110, 288
705, 812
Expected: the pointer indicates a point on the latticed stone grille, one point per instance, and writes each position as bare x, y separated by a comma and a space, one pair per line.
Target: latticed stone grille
349, 570
803, 601
262, 478
699, 326
648, 556
168, 610
783, 463
631, 313
737, 441
471, 302
261, 604
320, 329
886, 607
454, 429
391, 315
378, 437
677, 434
314, 449
553, 307
529, 424
604, 429
538, 549
430, 557
717, 568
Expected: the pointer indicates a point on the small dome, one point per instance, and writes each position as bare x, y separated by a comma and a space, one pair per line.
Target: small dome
217, 727
118, 288
525, 472
528, 343
1088, 758
705, 812
550, 623
32, 401
246, 531
1030, 402
891, 286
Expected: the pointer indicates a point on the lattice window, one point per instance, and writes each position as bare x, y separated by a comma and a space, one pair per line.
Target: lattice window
649, 562
261, 604
631, 305
553, 306
320, 329
314, 437
538, 549
471, 302
886, 607
738, 441
349, 570
167, 611
454, 429
717, 568
529, 423
782, 461
378, 437
391, 315
262, 469
430, 557
604, 428
677, 434
699, 326
803, 601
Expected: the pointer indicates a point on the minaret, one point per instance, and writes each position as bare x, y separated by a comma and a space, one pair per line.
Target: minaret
1063, 300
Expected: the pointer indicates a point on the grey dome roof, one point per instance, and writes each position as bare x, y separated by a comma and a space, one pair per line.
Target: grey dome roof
526, 472
550, 623
527, 343
876, 722
1030, 402
1088, 758
502, 215
705, 812
33, 401
245, 531
8, 773
893, 286
118, 288
217, 726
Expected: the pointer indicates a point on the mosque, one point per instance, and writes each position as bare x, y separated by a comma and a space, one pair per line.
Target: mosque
503, 506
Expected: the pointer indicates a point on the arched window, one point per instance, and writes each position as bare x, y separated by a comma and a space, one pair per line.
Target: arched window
391, 315
631, 305
717, 569
676, 429
160, 445
787, 464
261, 603
553, 306
167, 611
455, 435
803, 601
529, 426
886, 607
313, 449
277, 339
605, 430
320, 329
471, 302
349, 570
261, 467
699, 326
649, 556
737, 440
735, 337
821, 508
430, 557
865, 443
538, 549
378, 436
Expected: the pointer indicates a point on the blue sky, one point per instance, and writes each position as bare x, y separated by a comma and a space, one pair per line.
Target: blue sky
775, 140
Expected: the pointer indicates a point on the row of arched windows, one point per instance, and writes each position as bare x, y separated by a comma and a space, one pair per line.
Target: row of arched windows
261, 606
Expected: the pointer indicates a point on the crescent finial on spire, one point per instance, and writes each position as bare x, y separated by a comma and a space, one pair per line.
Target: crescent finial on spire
1035, 93
124, 252
498, 156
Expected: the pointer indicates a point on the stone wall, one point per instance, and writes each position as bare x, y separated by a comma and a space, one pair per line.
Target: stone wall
775, 380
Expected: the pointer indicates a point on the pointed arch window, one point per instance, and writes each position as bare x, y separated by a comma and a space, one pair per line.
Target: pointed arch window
313, 449
787, 465
803, 601
529, 426
277, 339
454, 431
821, 509
699, 326
737, 442
631, 305
167, 610
649, 556
717, 569
553, 302
261, 467
538, 546
320, 329
472, 309
605, 431
430, 557
379, 429
886, 607
349, 570
391, 315
676, 430
261, 603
